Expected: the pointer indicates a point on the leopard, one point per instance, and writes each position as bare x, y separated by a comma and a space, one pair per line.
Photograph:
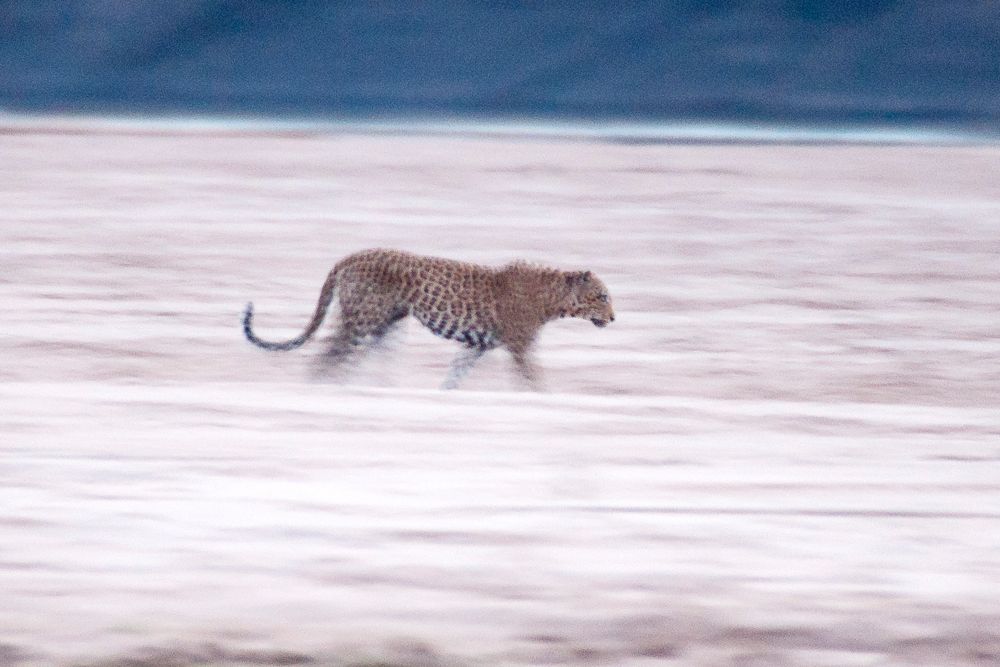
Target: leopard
481, 307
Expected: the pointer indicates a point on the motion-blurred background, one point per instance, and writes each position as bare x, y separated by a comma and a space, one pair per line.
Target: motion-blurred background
916, 62
783, 453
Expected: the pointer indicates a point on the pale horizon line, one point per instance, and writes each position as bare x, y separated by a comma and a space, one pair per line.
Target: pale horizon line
624, 131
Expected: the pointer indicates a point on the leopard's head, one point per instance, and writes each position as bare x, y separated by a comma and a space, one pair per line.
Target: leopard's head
588, 298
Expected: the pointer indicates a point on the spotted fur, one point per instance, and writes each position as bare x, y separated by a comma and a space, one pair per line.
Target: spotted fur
478, 306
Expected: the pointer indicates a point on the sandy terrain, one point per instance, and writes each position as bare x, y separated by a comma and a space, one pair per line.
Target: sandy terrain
785, 451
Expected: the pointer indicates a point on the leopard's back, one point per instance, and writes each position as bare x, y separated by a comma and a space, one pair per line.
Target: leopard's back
455, 300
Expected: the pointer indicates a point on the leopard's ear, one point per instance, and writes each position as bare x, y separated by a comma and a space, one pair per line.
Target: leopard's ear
578, 277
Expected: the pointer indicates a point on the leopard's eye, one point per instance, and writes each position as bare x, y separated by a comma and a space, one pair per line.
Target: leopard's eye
603, 297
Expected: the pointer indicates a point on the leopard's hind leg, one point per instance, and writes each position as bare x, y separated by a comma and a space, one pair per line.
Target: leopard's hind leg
360, 329
341, 348
389, 326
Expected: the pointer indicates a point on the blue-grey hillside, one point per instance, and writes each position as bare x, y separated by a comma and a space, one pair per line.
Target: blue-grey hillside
853, 61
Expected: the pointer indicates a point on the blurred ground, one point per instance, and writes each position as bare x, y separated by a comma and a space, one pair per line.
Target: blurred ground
785, 451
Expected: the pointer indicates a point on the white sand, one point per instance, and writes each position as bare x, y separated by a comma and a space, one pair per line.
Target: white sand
785, 451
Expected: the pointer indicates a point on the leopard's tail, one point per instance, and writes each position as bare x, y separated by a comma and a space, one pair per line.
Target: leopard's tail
325, 298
